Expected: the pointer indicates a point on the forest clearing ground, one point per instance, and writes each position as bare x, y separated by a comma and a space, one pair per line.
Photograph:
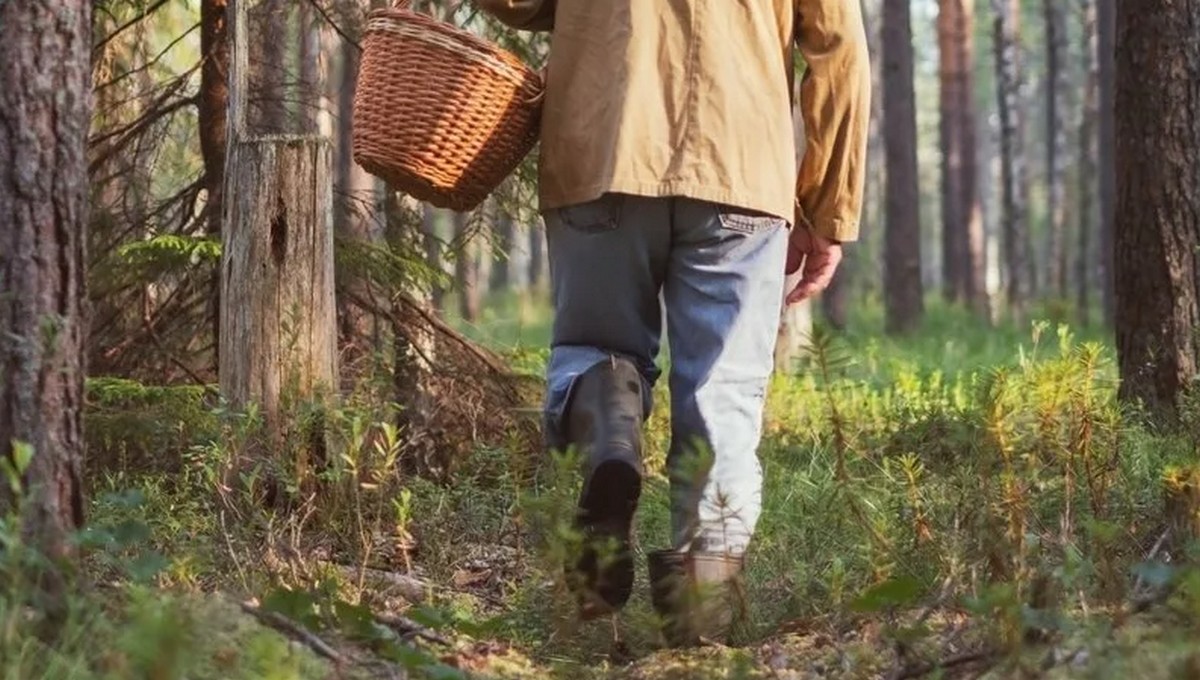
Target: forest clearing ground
954, 498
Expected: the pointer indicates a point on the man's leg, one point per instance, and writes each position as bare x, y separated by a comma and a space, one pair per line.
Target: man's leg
723, 293
607, 263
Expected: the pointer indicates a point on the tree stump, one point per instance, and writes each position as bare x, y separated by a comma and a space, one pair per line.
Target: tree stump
278, 316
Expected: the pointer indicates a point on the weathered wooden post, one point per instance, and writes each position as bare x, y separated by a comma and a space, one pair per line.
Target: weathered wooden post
278, 319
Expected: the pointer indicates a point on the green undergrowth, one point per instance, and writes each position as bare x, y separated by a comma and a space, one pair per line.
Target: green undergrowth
965, 490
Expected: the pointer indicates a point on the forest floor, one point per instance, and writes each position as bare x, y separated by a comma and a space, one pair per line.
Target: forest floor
966, 502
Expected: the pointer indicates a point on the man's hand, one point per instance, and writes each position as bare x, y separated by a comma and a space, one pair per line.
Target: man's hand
820, 258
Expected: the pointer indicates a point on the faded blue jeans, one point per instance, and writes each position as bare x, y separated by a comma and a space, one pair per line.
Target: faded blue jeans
616, 265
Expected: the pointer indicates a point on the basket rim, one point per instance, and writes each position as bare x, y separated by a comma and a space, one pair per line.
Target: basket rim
502, 63
464, 37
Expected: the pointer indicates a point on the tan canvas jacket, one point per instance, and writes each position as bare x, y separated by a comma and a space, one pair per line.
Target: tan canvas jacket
693, 98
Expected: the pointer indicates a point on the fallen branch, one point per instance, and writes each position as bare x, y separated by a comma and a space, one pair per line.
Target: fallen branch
290, 628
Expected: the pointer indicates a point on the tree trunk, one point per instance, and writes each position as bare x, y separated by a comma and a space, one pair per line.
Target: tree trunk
466, 271
501, 261
268, 84
433, 256
45, 114
903, 290
1158, 199
1056, 143
1084, 279
952, 77
537, 254
1014, 182
211, 119
871, 252
309, 94
1106, 36
357, 190
975, 256
835, 301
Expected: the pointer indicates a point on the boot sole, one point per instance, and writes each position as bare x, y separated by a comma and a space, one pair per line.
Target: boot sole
607, 507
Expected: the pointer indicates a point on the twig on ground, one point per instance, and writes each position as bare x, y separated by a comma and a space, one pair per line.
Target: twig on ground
406, 626
1137, 584
411, 588
288, 627
945, 664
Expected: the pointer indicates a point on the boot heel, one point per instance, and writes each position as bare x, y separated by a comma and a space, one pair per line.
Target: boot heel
697, 595
607, 508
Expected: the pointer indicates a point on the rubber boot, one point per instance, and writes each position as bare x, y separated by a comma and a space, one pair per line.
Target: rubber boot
698, 596
604, 424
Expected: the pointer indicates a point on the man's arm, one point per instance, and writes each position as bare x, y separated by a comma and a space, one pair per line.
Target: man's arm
526, 15
835, 101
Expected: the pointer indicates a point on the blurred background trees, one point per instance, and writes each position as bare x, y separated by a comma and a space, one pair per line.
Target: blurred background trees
991, 187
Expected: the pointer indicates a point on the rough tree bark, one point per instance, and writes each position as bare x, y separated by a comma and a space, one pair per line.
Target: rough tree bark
45, 114
1084, 258
278, 265
1158, 199
1014, 183
1106, 36
211, 120
1056, 143
903, 289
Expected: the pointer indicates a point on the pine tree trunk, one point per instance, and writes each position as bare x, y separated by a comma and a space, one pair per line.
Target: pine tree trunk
1014, 184
975, 256
211, 120
268, 90
952, 76
466, 271
1158, 199
1106, 36
1084, 259
501, 261
903, 290
1055, 148
45, 115
433, 255
358, 193
537, 255
310, 88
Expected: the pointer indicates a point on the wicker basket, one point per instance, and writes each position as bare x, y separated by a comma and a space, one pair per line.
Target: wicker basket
440, 113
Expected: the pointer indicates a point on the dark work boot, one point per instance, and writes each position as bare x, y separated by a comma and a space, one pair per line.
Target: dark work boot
604, 424
698, 596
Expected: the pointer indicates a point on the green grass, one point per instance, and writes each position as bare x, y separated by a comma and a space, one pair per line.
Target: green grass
986, 472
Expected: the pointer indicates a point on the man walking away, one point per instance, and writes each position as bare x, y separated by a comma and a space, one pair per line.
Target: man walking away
668, 167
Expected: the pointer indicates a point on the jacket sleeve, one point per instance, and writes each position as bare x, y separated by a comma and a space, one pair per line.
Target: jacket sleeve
527, 15
835, 101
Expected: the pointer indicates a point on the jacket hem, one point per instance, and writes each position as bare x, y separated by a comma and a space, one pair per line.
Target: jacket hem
700, 192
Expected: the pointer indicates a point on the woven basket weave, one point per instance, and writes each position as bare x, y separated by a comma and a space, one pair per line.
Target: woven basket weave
440, 113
